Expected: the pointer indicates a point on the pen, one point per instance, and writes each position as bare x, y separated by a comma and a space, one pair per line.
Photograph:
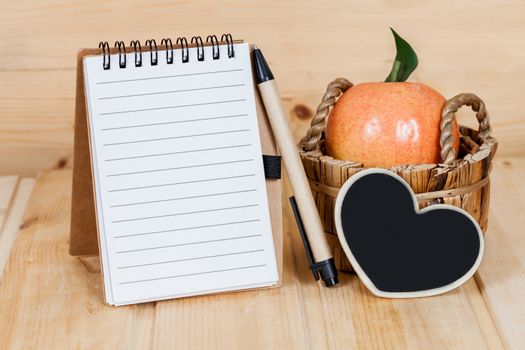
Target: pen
322, 256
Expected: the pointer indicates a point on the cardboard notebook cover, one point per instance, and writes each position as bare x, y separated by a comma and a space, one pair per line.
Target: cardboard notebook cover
83, 232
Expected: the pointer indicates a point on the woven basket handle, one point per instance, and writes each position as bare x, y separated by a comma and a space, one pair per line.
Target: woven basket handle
446, 140
312, 140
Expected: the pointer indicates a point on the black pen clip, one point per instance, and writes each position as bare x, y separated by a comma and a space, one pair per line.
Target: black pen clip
306, 243
325, 268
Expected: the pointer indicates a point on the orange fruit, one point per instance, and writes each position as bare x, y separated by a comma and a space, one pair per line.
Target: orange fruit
387, 124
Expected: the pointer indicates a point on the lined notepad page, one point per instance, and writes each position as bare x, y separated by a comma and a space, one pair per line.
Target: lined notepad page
181, 199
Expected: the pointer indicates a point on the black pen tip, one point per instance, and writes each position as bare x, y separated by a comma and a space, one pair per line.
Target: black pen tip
331, 282
328, 272
262, 71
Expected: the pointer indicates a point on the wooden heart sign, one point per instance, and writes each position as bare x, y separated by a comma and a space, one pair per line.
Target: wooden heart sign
398, 250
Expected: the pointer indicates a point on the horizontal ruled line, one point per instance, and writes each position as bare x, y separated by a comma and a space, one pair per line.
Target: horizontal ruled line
185, 244
188, 228
181, 167
177, 137
186, 213
171, 91
169, 76
172, 107
194, 274
191, 259
180, 152
175, 122
181, 183
182, 198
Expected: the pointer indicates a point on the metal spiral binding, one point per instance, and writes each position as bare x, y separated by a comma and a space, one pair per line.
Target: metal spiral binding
106, 61
169, 50
185, 51
138, 54
228, 38
214, 46
121, 53
197, 40
153, 54
168, 45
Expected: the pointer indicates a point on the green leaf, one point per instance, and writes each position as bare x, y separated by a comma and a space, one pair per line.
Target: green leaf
405, 62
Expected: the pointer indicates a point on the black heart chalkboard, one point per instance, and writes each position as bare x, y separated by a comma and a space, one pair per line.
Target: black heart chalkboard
398, 250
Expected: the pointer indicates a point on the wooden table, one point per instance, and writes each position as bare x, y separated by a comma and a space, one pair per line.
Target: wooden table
49, 299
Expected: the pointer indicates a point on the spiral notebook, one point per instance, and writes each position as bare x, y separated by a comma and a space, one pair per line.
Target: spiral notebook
180, 195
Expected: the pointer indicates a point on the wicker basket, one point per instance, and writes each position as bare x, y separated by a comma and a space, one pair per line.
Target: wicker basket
463, 182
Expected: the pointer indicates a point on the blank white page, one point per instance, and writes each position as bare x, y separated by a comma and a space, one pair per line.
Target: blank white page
179, 182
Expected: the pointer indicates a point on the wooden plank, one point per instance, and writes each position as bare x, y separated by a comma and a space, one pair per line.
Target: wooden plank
301, 314
354, 318
13, 220
485, 320
96, 20
264, 319
7, 189
37, 135
49, 299
501, 276
44, 127
37, 72
361, 320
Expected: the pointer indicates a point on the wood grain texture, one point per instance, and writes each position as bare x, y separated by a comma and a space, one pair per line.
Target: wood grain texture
466, 46
46, 291
7, 189
11, 217
49, 299
502, 274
